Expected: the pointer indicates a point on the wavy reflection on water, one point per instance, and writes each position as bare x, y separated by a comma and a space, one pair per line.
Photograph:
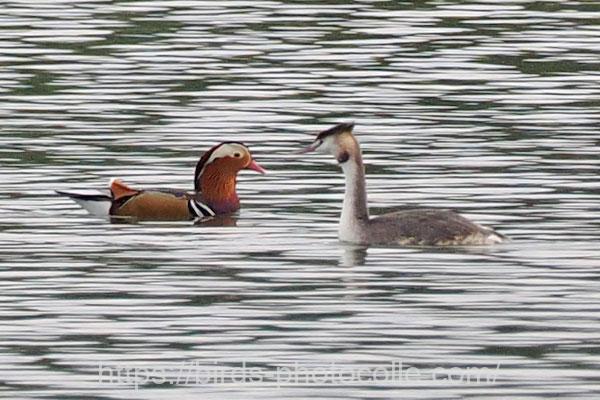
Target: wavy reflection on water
488, 107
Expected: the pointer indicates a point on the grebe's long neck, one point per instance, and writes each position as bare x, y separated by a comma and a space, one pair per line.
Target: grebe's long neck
355, 211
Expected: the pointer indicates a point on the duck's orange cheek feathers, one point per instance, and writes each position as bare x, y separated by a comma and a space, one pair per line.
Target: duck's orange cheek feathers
227, 165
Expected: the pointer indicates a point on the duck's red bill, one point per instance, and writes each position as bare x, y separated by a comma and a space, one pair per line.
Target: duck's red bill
255, 167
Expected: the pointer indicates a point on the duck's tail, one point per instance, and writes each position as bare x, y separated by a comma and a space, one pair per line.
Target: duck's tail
95, 202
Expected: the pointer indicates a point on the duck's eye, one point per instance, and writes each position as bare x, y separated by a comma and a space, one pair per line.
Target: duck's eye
237, 155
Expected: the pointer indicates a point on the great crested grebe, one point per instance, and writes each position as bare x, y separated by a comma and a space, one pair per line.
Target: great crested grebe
426, 227
214, 190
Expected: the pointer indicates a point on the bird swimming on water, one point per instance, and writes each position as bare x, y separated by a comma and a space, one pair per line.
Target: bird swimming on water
214, 192
422, 226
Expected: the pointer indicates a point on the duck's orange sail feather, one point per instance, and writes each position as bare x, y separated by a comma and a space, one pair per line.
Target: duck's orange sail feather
120, 190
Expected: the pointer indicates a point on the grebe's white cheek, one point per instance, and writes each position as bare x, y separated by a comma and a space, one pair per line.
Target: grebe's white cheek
329, 146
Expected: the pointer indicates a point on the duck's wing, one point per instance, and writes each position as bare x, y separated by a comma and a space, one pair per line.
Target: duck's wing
176, 192
156, 204
121, 200
431, 227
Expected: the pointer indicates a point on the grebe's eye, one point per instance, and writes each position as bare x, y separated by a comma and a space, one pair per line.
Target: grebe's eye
237, 155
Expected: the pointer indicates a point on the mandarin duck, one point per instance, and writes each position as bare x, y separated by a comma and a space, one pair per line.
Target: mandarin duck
214, 192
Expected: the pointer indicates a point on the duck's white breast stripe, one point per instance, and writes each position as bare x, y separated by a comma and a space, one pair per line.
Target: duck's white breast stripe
201, 210
194, 208
205, 209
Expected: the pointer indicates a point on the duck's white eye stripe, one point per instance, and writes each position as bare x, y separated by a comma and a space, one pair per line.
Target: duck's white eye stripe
226, 150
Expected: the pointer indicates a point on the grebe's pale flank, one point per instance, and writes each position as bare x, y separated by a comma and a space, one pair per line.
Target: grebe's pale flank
427, 227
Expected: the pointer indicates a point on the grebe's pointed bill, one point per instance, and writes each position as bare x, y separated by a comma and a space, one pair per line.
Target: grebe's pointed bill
326, 136
312, 147
255, 167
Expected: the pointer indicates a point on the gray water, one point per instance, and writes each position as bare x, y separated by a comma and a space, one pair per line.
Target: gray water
487, 107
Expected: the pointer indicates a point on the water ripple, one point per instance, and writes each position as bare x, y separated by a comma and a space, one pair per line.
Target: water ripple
488, 107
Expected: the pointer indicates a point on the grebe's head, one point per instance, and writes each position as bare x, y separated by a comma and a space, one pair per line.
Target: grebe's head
226, 160
337, 141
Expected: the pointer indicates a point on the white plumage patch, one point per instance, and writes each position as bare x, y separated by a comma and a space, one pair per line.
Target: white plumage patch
226, 150
494, 238
97, 208
95, 202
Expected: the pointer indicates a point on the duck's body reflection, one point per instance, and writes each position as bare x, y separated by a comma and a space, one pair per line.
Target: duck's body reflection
229, 220
218, 221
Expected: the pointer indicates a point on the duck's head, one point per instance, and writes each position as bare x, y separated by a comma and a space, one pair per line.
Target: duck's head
337, 141
224, 161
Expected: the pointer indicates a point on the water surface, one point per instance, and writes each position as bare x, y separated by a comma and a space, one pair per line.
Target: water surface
487, 107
